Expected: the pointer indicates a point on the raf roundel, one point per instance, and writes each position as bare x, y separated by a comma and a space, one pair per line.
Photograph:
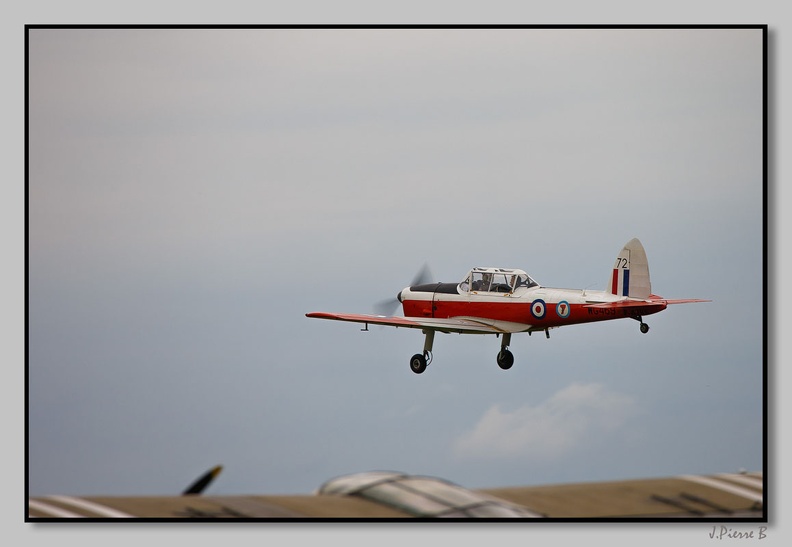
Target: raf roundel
562, 309
538, 308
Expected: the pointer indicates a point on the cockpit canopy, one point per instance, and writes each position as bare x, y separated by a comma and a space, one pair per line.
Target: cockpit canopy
501, 280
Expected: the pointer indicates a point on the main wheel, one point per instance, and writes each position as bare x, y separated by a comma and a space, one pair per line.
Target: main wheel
644, 328
505, 359
418, 363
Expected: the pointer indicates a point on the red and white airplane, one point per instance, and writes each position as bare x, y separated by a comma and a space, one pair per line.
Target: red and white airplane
504, 301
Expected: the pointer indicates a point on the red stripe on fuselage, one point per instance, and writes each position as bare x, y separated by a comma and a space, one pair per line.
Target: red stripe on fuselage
520, 312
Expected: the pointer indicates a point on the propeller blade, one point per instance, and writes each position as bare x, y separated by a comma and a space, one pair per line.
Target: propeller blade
200, 485
388, 307
423, 276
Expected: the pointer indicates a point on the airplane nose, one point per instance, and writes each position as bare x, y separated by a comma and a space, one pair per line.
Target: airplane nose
399, 295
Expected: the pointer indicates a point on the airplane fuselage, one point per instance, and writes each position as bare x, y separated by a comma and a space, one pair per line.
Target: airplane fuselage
525, 309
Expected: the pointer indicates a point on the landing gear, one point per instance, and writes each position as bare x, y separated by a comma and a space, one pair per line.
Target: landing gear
505, 358
420, 361
644, 326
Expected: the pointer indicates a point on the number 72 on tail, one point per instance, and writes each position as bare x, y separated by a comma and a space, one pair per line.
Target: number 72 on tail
504, 301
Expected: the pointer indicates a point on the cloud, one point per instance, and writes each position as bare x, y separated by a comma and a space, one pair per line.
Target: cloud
549, 430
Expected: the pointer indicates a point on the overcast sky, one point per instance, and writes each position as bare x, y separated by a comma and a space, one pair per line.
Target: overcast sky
193, 193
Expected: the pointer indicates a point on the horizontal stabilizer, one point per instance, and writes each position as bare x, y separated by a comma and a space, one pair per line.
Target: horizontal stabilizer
681, 300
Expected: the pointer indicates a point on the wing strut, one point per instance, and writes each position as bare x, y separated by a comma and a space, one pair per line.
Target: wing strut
428, 342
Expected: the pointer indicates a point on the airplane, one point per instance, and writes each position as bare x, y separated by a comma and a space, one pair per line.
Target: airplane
504, 301
390, 496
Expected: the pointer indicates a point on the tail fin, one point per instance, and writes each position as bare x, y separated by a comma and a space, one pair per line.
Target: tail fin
630, 276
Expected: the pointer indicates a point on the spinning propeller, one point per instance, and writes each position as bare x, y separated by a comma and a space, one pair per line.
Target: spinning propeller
388, 307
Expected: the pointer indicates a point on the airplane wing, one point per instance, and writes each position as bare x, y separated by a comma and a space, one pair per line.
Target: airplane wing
462, 325
386, 496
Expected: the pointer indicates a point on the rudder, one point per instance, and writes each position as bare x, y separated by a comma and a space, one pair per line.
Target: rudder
630, 275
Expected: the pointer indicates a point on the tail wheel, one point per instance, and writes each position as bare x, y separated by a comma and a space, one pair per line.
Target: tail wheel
505, 359
644, 328
418, 363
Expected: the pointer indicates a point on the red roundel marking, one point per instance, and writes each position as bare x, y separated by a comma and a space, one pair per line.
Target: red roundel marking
538, 308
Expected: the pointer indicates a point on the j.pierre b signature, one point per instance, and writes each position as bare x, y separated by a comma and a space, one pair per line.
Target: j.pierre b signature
724, 532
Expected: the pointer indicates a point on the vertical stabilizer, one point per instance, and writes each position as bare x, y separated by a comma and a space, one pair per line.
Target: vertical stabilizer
630, 275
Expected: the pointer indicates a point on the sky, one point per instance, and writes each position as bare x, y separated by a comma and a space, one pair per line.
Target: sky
193, 193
